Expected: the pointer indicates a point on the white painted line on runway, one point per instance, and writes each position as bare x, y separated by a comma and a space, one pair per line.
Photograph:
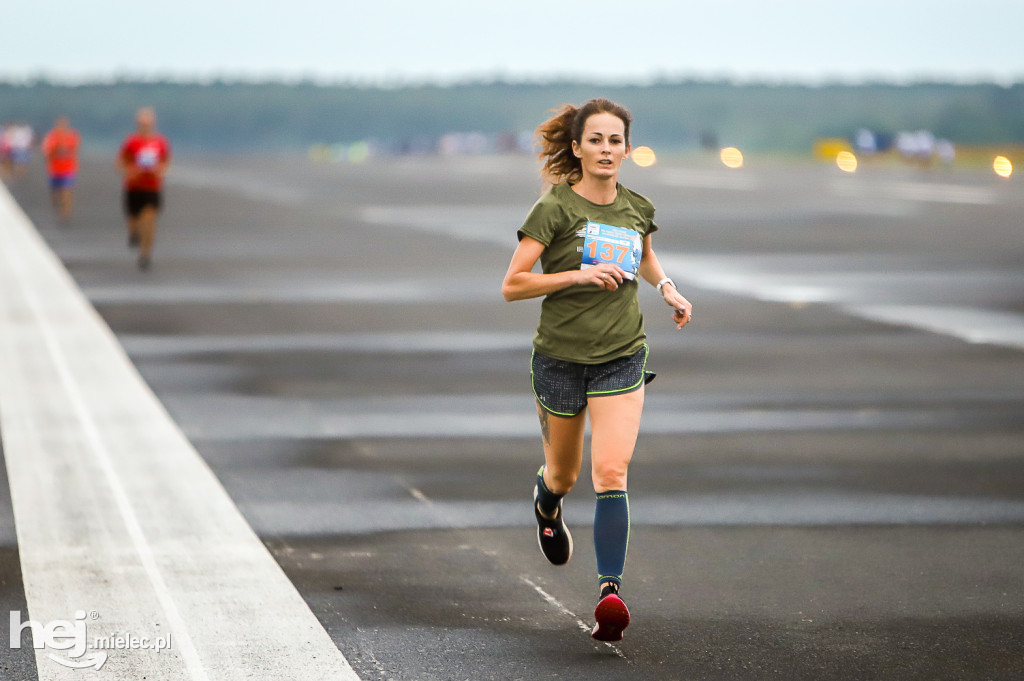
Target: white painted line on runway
734, 276
992, 327
399, 342
116, 513
420, 496
222, 417
489, 224
692, 178
310, 291
812, 504
916, 191
250, 187
554, 602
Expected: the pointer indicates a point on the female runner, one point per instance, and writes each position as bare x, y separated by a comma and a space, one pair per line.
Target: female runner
593, 238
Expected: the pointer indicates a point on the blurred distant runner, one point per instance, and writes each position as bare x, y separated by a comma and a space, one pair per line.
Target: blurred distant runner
5, 151
143, 160
16, 148
593, 238
60, 147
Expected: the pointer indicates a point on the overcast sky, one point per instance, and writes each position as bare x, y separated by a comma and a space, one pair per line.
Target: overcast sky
449, 40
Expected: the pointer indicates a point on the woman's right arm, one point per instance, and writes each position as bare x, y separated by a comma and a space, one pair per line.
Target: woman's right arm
521, 282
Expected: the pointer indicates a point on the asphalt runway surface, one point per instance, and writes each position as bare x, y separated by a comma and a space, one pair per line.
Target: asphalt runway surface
829, 481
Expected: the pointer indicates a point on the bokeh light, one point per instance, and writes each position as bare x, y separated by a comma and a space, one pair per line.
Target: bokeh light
358, 152
644, 157
1002, 166
320, 152
731, 157
846, 161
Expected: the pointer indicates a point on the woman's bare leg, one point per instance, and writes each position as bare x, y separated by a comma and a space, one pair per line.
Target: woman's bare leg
563, 449
614, 426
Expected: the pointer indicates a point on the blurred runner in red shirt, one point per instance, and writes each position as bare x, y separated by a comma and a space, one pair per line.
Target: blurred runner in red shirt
60, 147
143, 160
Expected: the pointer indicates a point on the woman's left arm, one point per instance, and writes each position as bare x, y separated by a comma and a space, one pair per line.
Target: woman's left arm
652, 271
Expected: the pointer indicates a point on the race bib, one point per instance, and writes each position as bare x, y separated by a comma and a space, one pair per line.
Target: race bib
613, 245
147, 157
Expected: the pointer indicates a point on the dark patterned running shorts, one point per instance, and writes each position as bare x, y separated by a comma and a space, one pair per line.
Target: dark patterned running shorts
562, 388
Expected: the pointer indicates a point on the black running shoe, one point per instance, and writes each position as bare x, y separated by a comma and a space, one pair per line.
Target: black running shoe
611, 614
133, 241
144, 262
552, 535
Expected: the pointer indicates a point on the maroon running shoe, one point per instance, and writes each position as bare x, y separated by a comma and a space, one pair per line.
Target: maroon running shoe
612, 616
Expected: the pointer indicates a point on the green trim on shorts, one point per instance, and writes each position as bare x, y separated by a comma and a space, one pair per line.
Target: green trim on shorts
622, 391
546, 408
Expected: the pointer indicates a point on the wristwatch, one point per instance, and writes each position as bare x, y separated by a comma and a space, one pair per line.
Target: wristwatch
664, 281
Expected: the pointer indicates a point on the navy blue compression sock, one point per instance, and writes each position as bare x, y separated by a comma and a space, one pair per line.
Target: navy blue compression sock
611, 534
546, 499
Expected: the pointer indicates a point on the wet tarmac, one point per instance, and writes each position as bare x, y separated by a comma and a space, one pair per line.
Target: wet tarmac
829, 481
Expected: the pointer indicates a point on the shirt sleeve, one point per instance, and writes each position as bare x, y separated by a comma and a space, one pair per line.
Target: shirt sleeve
652, 226
543, 221
646, 208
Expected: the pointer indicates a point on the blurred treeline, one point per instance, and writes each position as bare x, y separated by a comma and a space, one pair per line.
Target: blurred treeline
260, 117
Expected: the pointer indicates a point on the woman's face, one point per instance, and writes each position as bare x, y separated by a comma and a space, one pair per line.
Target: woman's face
602, 146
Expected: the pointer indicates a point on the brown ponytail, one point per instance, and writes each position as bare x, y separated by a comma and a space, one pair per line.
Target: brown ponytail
557, 134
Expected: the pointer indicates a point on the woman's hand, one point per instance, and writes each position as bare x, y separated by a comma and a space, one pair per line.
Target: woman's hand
605, 275
682, 309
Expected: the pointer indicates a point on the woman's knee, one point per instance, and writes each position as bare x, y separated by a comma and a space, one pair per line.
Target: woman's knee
560, 481
609, 475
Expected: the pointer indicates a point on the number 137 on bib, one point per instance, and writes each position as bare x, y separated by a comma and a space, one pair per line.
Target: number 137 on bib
612, 245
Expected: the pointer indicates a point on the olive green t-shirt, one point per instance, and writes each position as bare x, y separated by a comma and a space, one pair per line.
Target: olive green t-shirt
585, 323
